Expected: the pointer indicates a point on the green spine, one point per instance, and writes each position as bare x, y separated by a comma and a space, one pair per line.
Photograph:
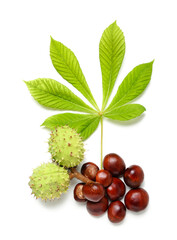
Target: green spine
66, 147
49, 181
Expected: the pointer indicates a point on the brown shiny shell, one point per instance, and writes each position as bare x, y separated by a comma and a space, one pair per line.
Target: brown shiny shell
114, 164
136, 199
93, 192
116, 190
89, 170
134, 176
97, 208
104, 177
116, 211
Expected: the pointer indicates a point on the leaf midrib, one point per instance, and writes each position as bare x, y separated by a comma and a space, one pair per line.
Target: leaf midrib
90, 117
110, 75
91, 110
133, 83
89, 95
96, 118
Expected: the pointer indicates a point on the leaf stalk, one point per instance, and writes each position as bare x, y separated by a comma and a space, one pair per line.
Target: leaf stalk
101, 142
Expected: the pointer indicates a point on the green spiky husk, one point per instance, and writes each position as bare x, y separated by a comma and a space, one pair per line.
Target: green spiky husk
66, 147
49, 181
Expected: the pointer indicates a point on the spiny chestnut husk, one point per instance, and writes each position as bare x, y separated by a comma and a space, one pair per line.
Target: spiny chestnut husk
66, 147
49, 181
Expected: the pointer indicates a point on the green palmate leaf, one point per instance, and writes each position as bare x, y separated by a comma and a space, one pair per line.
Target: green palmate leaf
53, 94
132, 86
67, 65
127, 112
111, 53
85, 124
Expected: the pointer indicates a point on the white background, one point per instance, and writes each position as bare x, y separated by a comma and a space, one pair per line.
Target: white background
150, 33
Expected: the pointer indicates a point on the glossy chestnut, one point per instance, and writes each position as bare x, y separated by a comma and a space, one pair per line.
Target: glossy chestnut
93, 192
116, 211
97, 208
136, 199
104, 177
114, 164
134, 176
78, 193
116, 190
89, 170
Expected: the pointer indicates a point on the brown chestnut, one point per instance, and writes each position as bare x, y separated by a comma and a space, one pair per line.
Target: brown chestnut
136, 199
104, 177
116, 190
114, 164
134, 176
93, 192
89, 170
116, 211
97, 208
78, 193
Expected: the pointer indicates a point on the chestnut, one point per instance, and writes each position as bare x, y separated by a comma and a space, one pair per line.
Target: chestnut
93, 192
104, 177
78, 193
116, 190
116, 211
134, 176
89, 170
97, 208
114, 164
136, 199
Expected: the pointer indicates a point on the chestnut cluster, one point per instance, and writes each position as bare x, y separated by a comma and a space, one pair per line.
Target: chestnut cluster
107, 189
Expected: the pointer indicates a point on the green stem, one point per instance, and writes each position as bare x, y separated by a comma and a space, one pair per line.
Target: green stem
101, 142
